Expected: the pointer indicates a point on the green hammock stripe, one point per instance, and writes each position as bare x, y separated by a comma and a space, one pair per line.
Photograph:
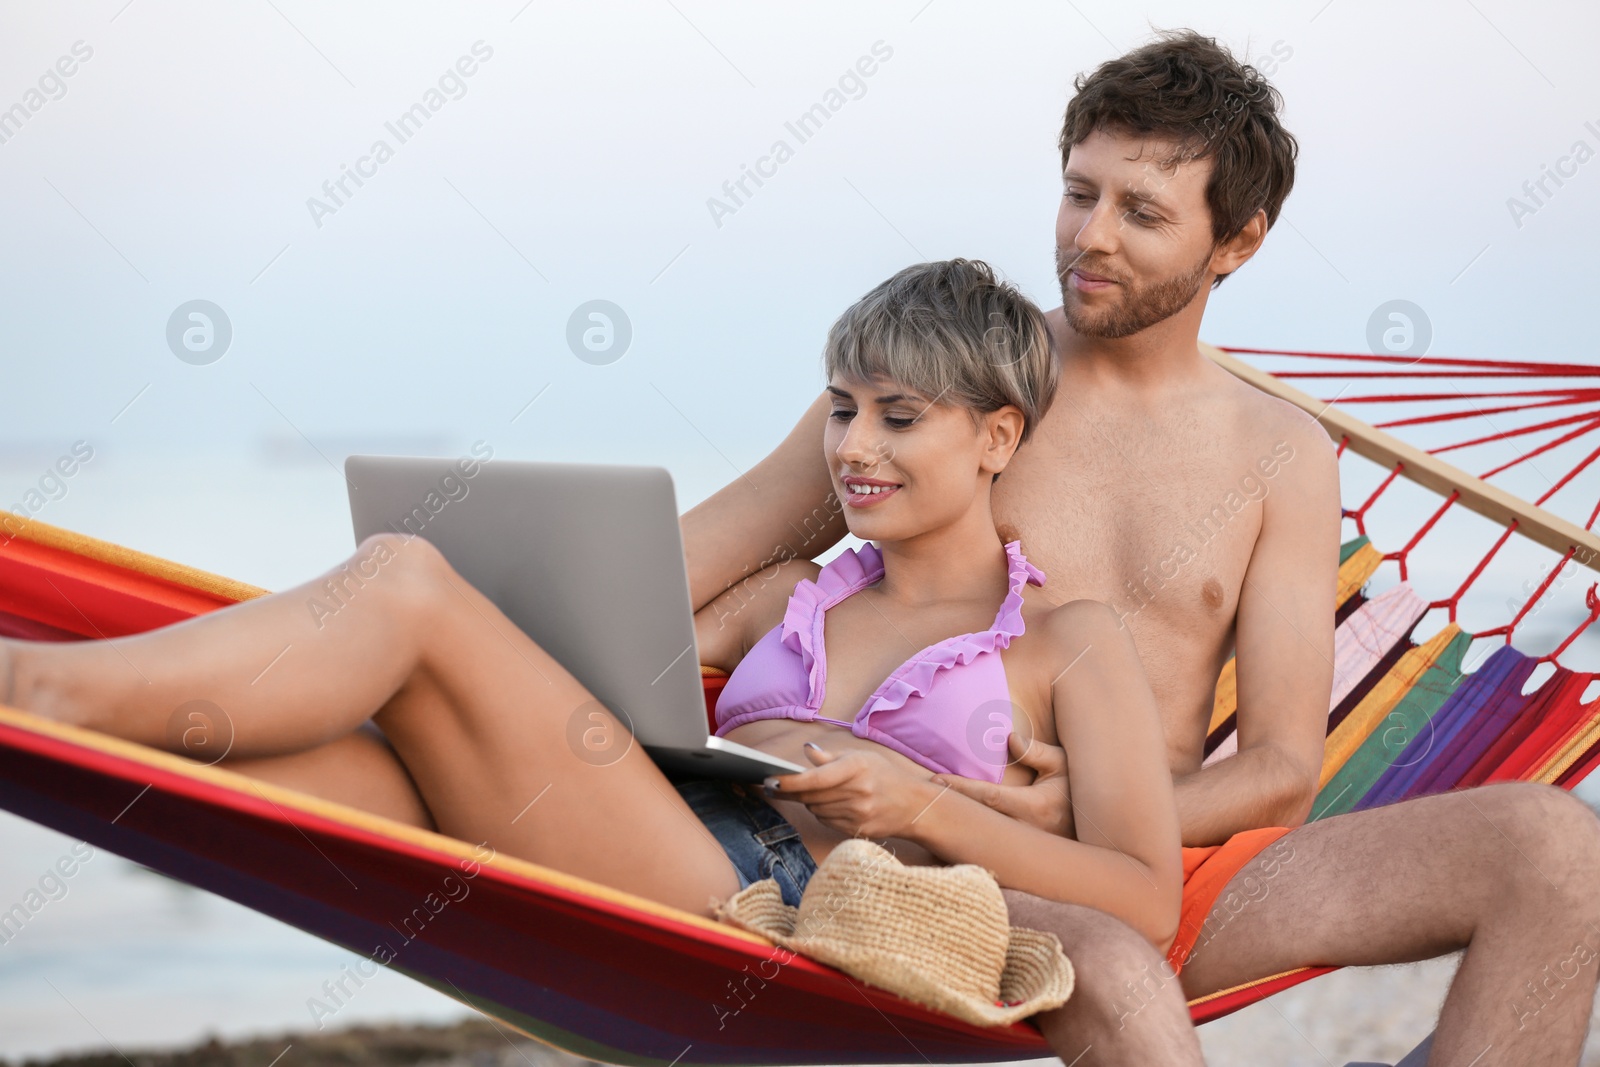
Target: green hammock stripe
1362, 770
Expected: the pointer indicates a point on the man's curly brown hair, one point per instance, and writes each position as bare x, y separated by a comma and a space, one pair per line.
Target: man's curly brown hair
1187, 89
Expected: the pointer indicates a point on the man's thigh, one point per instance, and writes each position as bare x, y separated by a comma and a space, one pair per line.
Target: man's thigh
1126, 1004
1405, 882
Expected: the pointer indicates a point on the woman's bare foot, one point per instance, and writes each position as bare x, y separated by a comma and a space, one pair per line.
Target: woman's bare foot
19, 684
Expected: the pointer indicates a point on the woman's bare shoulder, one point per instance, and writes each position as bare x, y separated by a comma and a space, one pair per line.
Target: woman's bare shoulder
1055, 638
1069, 631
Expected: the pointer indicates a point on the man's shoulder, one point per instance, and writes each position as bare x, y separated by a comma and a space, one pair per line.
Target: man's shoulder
1261, 418
1297, 461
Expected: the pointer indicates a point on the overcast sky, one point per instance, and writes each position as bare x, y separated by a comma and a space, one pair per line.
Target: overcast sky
185, 156
399, 216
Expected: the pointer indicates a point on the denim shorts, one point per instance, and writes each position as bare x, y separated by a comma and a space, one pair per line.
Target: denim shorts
757, 838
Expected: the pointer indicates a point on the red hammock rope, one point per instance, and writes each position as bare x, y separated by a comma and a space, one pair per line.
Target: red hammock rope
1400, 555
1360, 366
1474, 411
1580, 417
1565, 478
1394, 398
1550, 435
1521, 366
1360, 514
1594, 613
1547, 446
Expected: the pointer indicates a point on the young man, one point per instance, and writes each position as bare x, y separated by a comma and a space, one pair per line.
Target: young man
1207, 514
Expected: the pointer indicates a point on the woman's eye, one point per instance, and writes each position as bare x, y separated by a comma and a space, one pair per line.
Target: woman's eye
899, 422
842, 414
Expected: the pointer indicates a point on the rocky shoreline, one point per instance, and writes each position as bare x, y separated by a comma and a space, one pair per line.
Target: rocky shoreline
473, 1043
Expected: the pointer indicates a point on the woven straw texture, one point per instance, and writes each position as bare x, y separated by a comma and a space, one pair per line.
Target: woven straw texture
935, 935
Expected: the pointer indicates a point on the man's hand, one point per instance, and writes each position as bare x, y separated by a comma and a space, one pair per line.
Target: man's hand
1047, 803
858, 793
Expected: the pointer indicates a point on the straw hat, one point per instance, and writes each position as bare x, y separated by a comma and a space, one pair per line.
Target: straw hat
935, 935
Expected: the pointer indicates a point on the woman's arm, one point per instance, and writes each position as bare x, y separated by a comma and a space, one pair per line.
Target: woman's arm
959, 830
1127, 860
1108, 722
783, 508
861, 793
726, 628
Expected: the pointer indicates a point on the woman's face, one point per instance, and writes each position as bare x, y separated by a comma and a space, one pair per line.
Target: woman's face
903, 465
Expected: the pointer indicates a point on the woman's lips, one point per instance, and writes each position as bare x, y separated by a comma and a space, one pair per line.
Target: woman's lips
868, 493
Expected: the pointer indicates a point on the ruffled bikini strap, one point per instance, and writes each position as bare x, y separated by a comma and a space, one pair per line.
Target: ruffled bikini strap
915, 678
1020, 572
847, 573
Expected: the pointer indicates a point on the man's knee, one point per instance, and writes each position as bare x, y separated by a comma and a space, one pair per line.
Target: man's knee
1551, 830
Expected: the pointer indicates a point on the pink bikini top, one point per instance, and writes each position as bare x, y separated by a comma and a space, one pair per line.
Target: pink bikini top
948, 707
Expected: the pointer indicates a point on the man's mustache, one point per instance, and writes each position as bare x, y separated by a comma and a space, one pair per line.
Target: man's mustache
1064, 266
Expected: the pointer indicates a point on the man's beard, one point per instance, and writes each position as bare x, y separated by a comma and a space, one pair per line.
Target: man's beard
1140, 307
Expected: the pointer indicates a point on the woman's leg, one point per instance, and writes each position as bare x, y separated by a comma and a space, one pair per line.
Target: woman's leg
265, 677
360, 769
504, 745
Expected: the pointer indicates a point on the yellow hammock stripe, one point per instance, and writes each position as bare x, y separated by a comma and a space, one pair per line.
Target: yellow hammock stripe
42, 533
1570, 754
1366, 716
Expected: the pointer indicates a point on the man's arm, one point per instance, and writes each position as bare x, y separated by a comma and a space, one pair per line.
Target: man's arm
783, 508
727, 628
1284, 657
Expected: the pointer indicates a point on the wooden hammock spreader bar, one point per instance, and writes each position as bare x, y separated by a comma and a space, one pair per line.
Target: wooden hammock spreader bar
1430, 472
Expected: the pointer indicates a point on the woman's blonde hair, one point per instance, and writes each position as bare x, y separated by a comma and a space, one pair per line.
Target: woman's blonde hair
953, 332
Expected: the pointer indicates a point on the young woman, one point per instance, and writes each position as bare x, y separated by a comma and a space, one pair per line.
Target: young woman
925, 655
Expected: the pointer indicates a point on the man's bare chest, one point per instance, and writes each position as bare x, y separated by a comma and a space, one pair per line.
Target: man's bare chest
1160, 527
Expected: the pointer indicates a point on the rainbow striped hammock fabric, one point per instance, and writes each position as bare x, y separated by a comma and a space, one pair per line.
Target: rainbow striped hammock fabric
614, 977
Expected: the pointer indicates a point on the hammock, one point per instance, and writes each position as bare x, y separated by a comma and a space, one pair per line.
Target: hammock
614, 977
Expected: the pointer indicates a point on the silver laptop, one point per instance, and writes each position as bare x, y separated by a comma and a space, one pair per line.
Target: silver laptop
588, 561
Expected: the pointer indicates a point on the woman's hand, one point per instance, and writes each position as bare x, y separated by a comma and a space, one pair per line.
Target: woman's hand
1046, 803
859, 793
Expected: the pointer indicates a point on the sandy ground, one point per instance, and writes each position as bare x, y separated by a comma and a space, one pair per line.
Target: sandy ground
1372, 1014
